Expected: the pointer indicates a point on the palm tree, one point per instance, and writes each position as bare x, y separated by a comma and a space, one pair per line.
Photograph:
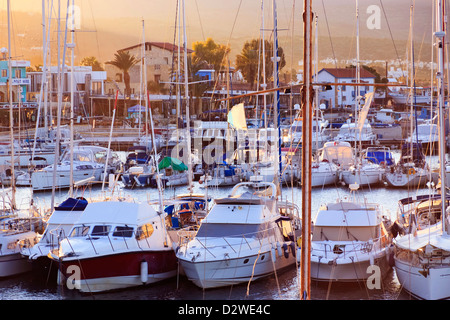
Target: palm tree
124, 61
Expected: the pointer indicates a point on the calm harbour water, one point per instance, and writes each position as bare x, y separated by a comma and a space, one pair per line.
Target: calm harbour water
282, 286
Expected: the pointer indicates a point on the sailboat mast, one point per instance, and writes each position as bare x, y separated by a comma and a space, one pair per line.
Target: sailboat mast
358, 79
440, 35
264, 85
276, 95
305, 264
72, 58
186, 97
11, 117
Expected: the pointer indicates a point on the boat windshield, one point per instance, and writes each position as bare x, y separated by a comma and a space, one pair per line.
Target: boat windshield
80, 231
234, 230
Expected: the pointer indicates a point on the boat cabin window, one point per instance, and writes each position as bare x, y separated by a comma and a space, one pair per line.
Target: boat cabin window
144, 231
123, 231
323, 233
234, 230
80, 231
101, 230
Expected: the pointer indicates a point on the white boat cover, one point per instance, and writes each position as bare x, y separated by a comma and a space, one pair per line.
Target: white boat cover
117, 212
347, 214
432, 235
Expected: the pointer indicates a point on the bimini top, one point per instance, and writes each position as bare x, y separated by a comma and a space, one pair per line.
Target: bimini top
116, 212
347, 214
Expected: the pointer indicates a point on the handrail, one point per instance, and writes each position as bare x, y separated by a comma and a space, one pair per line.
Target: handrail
352, 247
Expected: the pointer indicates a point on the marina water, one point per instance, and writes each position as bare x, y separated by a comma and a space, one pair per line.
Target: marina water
281, 286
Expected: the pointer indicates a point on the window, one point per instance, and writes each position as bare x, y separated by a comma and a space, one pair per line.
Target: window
144, 231
125, 231
80, 231
100, 230
17, 73
96, 87
4, 73
118, 77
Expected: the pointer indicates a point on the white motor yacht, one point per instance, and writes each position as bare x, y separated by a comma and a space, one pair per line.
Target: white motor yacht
88, 164
349, 236
246, 236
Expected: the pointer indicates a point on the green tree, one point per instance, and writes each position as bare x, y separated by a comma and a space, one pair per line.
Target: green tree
93, 62
197, 89
250, 58
214, 54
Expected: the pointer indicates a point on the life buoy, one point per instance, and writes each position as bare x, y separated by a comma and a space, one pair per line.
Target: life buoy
411, 171
383, 164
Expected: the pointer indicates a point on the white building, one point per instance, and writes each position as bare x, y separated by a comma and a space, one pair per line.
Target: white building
342, 95
87, 83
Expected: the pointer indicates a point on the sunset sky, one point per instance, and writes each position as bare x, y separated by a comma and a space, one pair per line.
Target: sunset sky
109, 25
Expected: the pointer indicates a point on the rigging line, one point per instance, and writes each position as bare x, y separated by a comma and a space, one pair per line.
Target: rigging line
329, 35
390, 31
226, 53
200, 21
95, 28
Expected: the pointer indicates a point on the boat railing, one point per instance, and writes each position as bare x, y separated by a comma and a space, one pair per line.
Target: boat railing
348, 249
135, 236
264, 237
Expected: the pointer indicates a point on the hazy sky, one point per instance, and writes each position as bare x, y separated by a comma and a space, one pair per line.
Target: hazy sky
109, 25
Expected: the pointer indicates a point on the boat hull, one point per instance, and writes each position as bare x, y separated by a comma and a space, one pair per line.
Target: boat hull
134, 180
220, 273
43, 180
13, 264
118, 271
430, 284
402, 180
352, 271
363, 178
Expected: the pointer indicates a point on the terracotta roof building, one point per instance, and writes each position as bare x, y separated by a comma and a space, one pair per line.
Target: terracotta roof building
342, 95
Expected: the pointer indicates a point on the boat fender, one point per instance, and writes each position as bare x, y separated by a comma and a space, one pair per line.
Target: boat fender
292, 246
391, 258
286, 250
299, 254
280, 252
144, 271
273, 254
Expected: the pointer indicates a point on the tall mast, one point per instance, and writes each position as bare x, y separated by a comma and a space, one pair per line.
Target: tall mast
264, 85
60, 88
440, 35
186, 97
11, 118
305, 263
358, 78
276, 96
72, 58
